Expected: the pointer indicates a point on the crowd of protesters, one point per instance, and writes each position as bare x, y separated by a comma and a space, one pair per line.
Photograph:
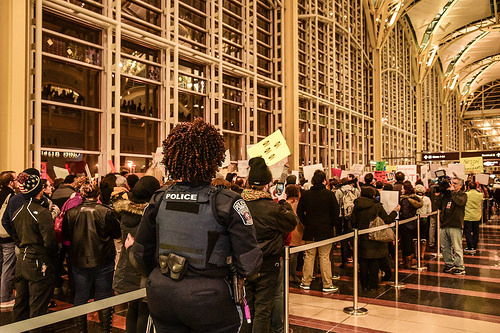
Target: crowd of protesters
82, 229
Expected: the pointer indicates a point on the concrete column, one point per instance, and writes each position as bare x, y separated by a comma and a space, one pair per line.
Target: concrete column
13, 85
377, 104
291, 80
419, 121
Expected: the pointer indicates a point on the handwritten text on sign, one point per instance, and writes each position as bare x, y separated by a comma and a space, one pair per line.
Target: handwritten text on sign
473, 164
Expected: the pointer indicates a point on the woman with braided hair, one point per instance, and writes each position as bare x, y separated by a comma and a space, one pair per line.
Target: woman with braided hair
196, 226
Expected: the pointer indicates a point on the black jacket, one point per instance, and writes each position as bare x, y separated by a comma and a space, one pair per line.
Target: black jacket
127, 276
319, 211
34, 229
272, 223
91, 228
366, 210
62, 194
409, 205
452, 206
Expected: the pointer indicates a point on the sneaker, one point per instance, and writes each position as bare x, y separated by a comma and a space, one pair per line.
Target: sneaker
335, 277
458, 271
448, 269
304, 286
468, 251
330, 289
349, 259
8, 304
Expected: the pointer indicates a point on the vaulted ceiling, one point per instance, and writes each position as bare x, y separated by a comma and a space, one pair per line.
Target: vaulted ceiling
464, 37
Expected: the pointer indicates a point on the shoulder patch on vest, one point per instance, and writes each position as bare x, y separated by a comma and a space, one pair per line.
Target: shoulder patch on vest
242, 209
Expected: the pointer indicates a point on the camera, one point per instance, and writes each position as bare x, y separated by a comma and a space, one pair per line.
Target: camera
443, 180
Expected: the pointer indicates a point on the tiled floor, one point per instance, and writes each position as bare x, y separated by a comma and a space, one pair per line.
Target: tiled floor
432, 301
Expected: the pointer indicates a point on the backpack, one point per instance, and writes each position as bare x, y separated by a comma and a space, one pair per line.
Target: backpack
347, 202
3, 232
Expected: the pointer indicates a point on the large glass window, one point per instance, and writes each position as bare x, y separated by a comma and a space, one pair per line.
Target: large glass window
59, 124
140, 98
138, 136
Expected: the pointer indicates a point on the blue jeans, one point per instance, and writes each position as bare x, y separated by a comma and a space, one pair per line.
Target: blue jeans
8, 268
102, 279
451, 247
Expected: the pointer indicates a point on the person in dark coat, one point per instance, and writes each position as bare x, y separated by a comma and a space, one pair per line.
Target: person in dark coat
128, 277
371, 253
273, 221
409, 202
318, 211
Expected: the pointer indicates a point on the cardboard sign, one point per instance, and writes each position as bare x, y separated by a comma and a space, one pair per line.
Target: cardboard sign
380, 175
272, 149
336, 172
243, 168
473, 164
424, 174
380, 166
410, 172
390, 168
89, 175
112, 166
309, 170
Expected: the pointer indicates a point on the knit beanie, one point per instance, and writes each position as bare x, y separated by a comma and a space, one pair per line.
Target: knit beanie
259, 172
144, 189
419, 188
30, 185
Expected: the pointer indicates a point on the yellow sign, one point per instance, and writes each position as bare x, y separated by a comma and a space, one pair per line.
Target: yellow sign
272, 149
473, 164
390, 168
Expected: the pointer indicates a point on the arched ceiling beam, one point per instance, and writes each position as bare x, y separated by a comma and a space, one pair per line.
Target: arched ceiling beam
474, 78
463, 51
432, 27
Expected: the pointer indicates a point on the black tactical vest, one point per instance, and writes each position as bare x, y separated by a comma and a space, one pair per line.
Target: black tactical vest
188, 227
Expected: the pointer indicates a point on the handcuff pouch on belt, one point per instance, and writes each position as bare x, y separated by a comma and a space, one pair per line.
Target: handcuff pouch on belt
173, 265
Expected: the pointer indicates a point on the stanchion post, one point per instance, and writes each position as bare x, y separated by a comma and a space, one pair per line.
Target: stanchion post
354, 310
419, 262
287, 286
396, 283
438, 246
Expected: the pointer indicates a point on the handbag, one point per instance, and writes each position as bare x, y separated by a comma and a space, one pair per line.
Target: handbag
384, 235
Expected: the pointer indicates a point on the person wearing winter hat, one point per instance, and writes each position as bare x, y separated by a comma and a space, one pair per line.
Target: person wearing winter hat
186, 234
127, 276
273, 221
34, 234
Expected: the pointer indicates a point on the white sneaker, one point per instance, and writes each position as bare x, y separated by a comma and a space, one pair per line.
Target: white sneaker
330, 289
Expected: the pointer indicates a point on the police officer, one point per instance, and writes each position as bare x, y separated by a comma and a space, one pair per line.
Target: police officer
199, 226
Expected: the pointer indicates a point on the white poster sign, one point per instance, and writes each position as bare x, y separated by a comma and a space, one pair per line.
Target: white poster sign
277, 169
61, 172
344, 174
243, 168
410, 172
456, 169
424, 174
296, 174
389, 199
357, 169
483, 178
309, 170
227, 159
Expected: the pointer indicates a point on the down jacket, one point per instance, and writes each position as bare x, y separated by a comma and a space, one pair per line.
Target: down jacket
409, 205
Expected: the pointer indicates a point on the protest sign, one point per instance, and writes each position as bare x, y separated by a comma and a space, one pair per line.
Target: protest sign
272, 148
60, 172
456, 169
357, 169
389, 200
483, 178
410, 172
243, 168
227, 159
473, 164
380, 166
309, 170
380, 176
424, 174
336, 172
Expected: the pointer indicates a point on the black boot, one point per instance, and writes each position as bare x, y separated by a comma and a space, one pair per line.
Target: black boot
105, 319
81, 323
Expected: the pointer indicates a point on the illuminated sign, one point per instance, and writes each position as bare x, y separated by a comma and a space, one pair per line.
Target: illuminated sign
486, 154
440, 156
59, 154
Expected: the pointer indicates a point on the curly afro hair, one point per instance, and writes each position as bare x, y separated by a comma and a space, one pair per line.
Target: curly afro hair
193, 151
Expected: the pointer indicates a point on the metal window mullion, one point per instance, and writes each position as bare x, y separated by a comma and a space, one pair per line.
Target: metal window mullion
85, 14
117, 111
176, 61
